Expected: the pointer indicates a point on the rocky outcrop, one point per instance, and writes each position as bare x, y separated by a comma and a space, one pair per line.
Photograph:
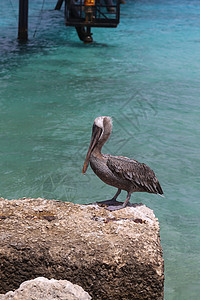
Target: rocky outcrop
43, 289
111, 255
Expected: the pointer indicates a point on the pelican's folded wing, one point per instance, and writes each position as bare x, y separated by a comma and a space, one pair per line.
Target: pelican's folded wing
137, 173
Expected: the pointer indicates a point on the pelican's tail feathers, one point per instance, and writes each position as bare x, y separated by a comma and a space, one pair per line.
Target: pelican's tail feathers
158, 188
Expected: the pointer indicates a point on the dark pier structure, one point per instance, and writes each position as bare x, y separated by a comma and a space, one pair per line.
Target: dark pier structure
82, 14
23, 20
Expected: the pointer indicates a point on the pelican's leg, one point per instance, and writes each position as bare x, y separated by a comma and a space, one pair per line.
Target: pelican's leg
112, 208
112, 201
116, 195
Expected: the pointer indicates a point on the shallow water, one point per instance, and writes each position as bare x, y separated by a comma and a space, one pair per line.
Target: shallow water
146, 75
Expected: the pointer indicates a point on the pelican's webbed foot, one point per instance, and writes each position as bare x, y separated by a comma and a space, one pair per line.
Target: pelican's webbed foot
111, 202
126, 203
118, 207
113, 207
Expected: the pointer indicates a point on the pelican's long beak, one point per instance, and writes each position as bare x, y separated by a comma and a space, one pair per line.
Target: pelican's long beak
96, 133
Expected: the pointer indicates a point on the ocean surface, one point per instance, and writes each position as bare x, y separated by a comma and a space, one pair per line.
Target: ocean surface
145, 75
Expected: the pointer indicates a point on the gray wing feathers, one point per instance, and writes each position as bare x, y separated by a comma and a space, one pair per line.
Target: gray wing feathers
137, 173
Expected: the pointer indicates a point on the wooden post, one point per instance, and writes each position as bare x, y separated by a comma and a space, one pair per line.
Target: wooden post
59, 4
23, 20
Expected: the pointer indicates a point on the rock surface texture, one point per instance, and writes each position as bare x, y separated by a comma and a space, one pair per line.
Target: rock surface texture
111, 255
43, 289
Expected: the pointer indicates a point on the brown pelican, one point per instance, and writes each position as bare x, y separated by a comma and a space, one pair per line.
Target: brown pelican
118, 171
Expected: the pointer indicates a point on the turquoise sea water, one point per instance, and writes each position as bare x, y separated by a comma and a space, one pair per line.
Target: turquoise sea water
146, 75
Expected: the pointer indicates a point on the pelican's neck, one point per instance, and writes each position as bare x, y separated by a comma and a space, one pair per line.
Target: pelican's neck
107, 129
97, 149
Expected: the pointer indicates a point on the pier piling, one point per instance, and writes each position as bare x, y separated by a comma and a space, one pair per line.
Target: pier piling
23, 20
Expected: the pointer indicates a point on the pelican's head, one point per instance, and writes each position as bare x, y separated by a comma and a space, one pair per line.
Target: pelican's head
101, 131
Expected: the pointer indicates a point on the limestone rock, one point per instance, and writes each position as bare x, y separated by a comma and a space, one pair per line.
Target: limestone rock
43, 289
111, 255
